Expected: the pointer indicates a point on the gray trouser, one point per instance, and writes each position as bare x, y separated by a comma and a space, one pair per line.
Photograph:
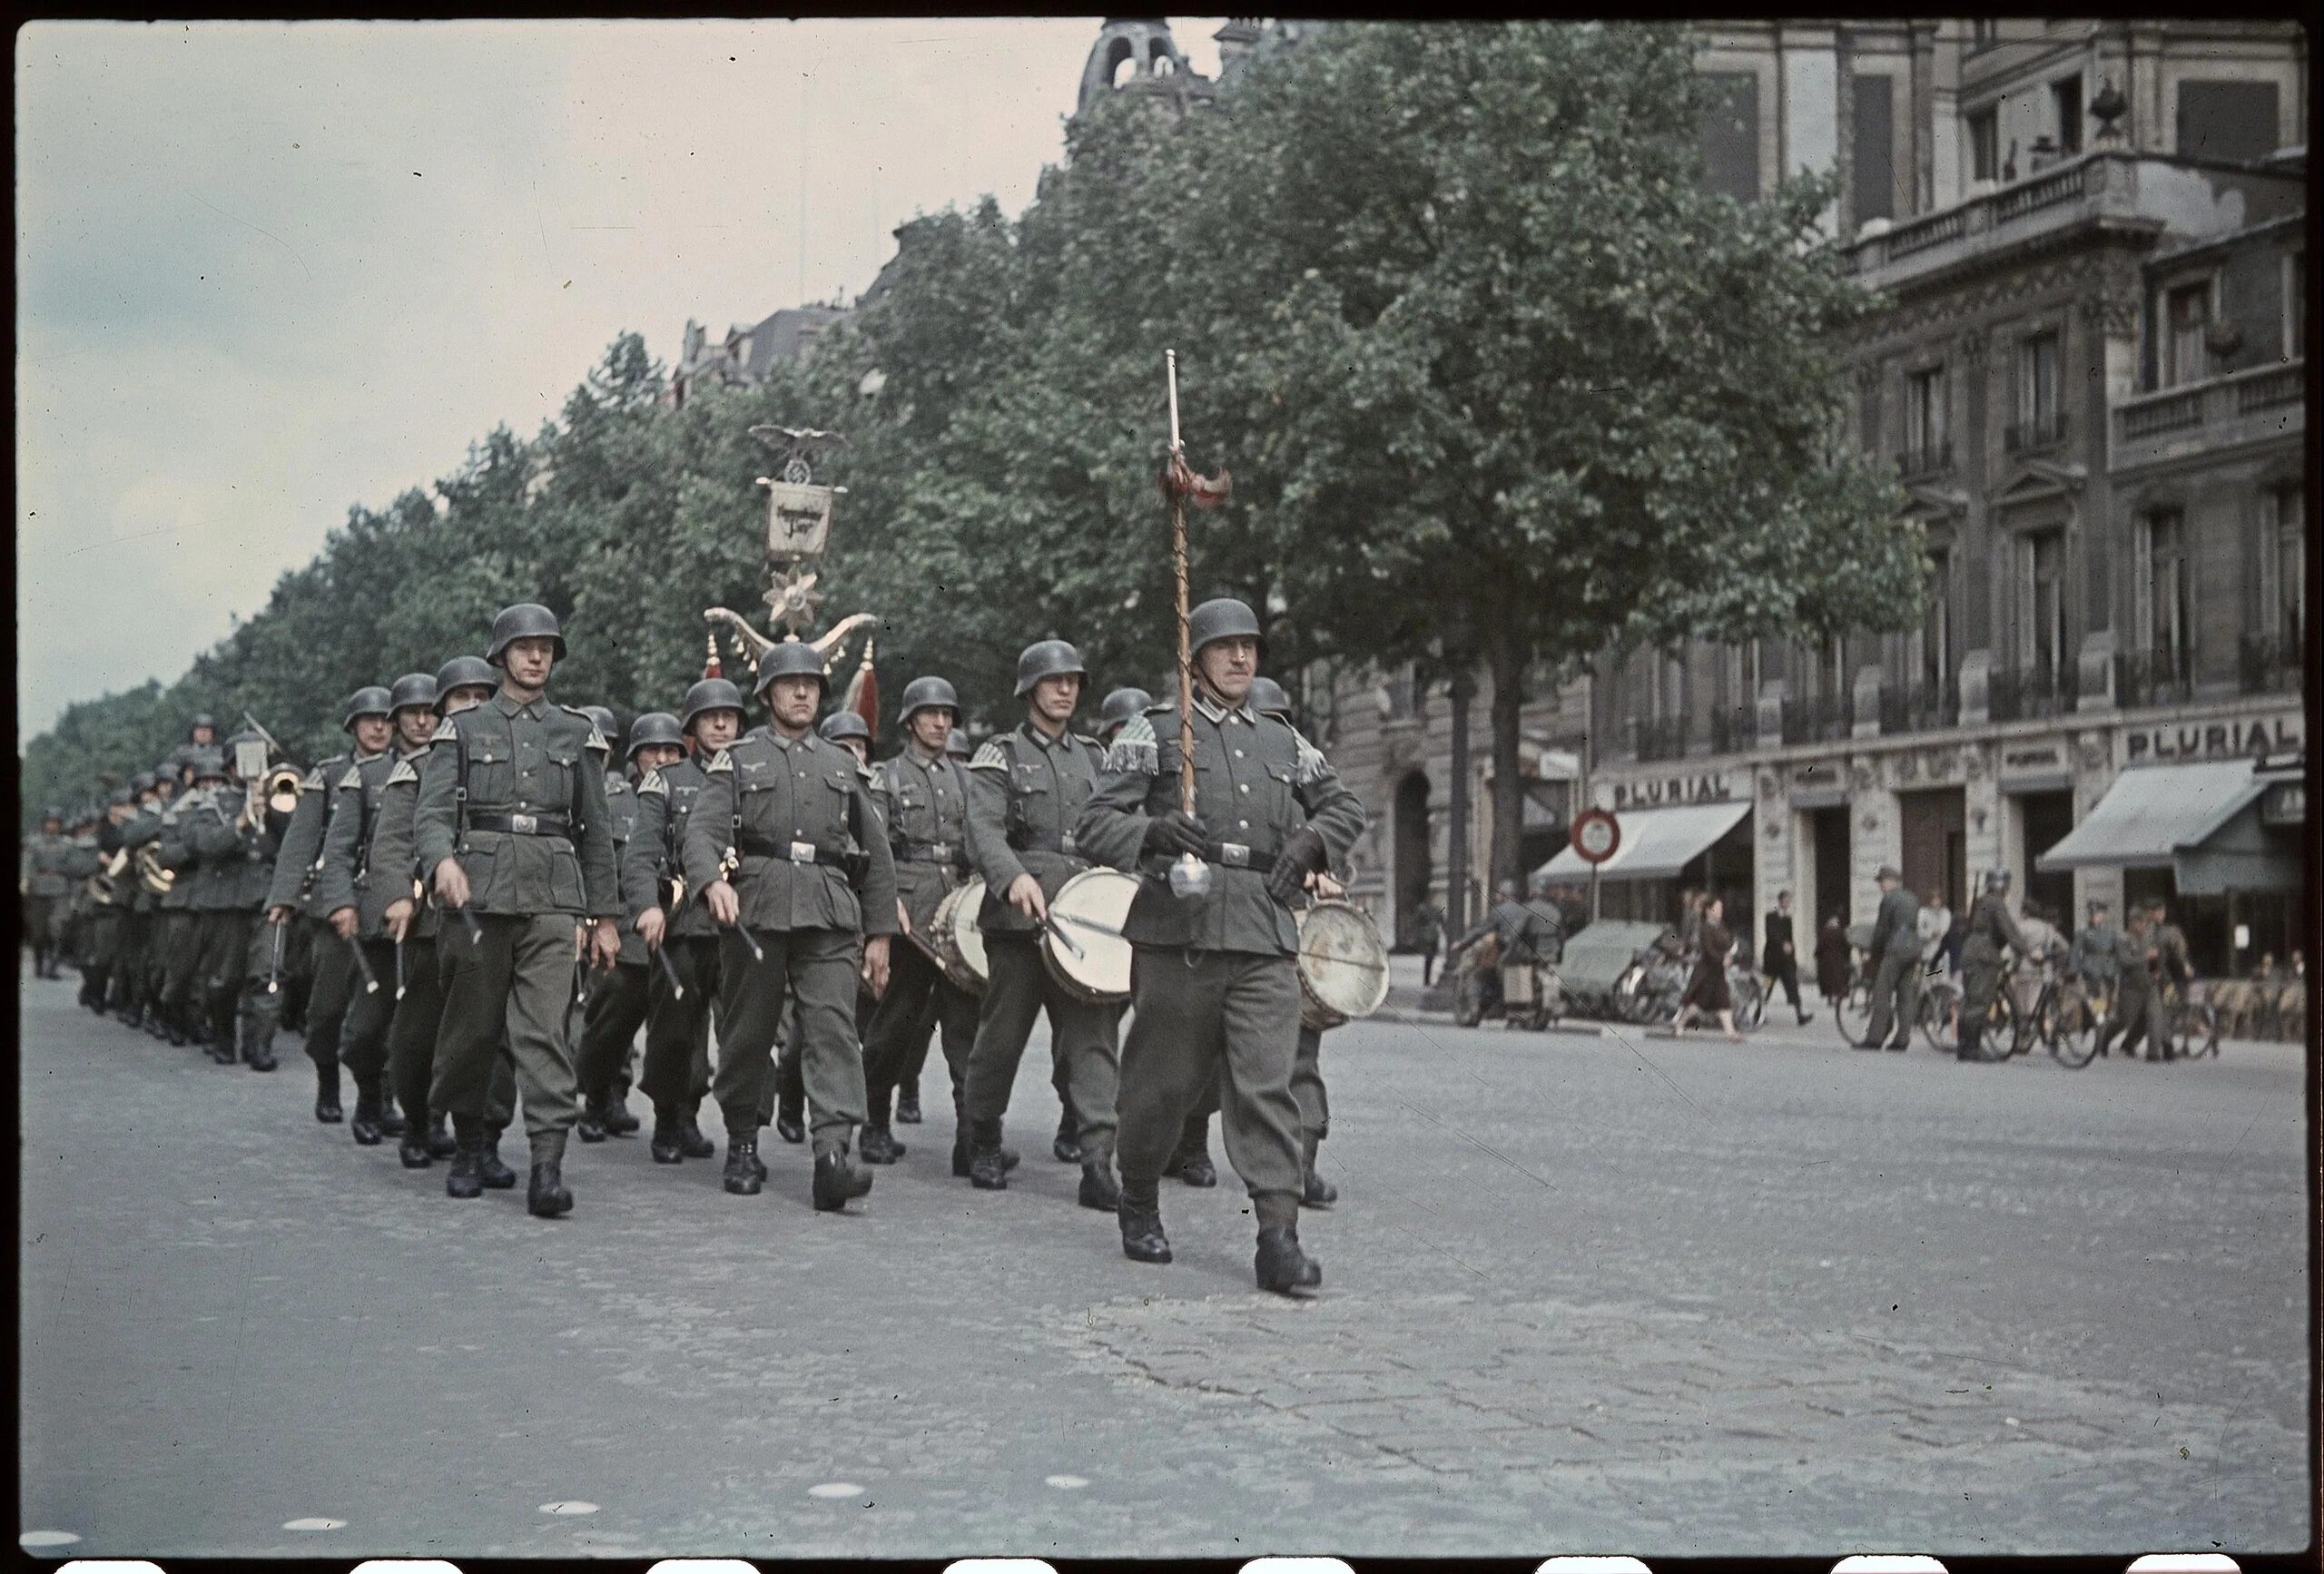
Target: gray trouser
1199, 1012
412, 1039
1896, 998
1081, 1035
518, 978
676, 1068
1307, 1091
817, 968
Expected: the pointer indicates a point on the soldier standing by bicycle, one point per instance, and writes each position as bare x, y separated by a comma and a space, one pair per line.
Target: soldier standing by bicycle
2096, 956
1990, 927
1895, 963
2133, 1016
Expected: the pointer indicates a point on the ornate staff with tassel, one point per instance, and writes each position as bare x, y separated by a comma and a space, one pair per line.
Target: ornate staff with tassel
1189, 876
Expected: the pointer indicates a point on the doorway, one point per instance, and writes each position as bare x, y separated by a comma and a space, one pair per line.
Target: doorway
1412, 863
2045, 819
1829, 883
1937, 847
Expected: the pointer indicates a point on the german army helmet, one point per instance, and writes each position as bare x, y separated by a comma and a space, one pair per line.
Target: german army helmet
602, 718
123, 794
841, 725
526, 620
923, 694
1267, 698
1221, 617
210, 763
464, 672
1121, 704
142, 782
651, 728
413, 691
371, 700
956, 744
1047, 658
201, 719
710, 694
791, 659
52, 812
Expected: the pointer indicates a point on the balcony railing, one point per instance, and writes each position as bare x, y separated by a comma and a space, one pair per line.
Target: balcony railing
1827, 719
1919, 707
2044, 431
1665, 740
1925, 458
1733, 728
2270, 664
2270, 387
2022, 693
2242, 406
2162, 676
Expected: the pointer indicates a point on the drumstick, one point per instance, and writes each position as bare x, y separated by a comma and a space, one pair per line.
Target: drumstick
677, 988
1063, 939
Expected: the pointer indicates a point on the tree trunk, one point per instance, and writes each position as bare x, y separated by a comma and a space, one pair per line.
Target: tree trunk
1506, 663
1462, 689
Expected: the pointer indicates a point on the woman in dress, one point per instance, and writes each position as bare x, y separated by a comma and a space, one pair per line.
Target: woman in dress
1707, 991
1832, 960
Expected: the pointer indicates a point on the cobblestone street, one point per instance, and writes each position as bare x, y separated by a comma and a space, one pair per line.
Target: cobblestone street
1615, 1295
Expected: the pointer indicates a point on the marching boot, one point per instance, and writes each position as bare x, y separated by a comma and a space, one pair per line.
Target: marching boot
743, 1177
837, 1182
498, 1176
258, 1051
1971, 1041
412, 1152
1314, 1191
790, 1118
365, 1126
907, 1111
591, 1126
1140, 1216
879, 1146
440, 1143
987, 1171
546, 1197
1195, 1168
1067, 1144
615, 1116
690, 1142
392, 1121
1099, 1191
326, 1108
666, 1148
1281, 1266
466, 1177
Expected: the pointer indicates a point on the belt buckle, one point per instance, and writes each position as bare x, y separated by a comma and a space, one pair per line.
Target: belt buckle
1066, 841
524, 824
942, 849
803, 852
1234, 855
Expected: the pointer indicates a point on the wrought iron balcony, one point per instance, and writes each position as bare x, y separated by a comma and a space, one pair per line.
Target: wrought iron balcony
1665, 740
2022, 693
1733, 728
1919, 707
1827, 719
2270, 664
2160, 676
2044, 431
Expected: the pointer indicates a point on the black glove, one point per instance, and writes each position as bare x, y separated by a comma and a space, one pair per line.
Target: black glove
1301, 855
1177, 831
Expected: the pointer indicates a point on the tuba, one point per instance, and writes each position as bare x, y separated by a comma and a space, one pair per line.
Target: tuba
281, 786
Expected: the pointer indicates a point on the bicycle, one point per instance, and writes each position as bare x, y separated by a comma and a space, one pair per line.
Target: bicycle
2191, 1027
1938, 1015
2071, 1025
1852, 1012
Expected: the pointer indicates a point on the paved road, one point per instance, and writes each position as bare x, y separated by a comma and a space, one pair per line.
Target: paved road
1580, 1294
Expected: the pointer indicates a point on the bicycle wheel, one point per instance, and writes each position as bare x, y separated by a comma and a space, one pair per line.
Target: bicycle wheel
2070, 1029
1852, 1013
1750, 1000
1939, 1015
2199, 1031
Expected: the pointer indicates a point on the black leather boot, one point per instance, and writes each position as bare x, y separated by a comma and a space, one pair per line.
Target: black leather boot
615, 1116
790, 1118
258, 1045
1314, 1191
364, 1128
691, 1141
439, 1140
546, 1197
742, 1175
1281, 1266
498, 1176
412, 1151
837, 1182
1099, 1190
986, 1172
666, 1148
466, 1179
879, 1146
591, 1126
392, 1121
1067, 1144
1195, 1168
326, 1108
908, 1107
1140, 1215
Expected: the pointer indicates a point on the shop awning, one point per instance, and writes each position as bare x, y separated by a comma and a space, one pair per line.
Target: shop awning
2149, 815
1657, 843
2248, 854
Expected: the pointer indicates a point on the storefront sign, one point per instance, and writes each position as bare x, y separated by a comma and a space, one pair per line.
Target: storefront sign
1657, 791
2211, 740
2284, 804
1817, 787
2034, 768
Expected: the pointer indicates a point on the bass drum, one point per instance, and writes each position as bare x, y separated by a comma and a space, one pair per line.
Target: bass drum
1343, 966
960, 944
1083, 944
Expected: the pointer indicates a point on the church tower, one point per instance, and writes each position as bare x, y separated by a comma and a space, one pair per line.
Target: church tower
1137, 54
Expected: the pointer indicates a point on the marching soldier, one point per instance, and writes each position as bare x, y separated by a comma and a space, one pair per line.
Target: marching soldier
618, 1004
2172, 971
124, 993
1117, 710
44, 883
767, 845
675, 1076
2136, 1011
412, 919
292, 897
237, 842
1991, 928
354, 894
207, 767
511, 825
925, 803
105, 906
2096, 955
1027, 788
1216, 985
153, 967
1895, 962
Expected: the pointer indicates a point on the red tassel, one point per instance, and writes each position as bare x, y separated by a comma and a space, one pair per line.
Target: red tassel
710, 668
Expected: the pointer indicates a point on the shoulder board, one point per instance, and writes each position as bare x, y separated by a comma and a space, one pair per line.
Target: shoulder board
1135, 751
1311, 766
405, 770
313, 780
446, 730
990, 757
722, 762
1162, 707
597, 739
652, 782
354, 778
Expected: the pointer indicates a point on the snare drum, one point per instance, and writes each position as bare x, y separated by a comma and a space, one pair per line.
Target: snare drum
960, 944
1083, 944
1343, 965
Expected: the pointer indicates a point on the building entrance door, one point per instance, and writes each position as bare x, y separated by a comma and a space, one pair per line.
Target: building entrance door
1829, 874
1937, 847
2046, 817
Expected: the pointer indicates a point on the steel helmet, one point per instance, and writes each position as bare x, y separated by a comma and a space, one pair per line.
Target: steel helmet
1047, 658
201, 719
141, 782
923, 694
526, 620
1267, 698
52, 812
1121, 704
842, 725
654, 727
211, 763
710, 694
791, 659
602, 719
371, 700
1221, 617
464, 672
413, 691
123, 794
956, 744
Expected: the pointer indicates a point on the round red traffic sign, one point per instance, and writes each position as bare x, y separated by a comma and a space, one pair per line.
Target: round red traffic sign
1596, 835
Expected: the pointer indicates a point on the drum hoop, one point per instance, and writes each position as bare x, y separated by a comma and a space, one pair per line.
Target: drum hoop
1379, 995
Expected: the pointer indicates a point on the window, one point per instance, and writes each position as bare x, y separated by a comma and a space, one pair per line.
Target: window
2227, 120
1927, 436
2186, 318
2065, 104
2283, 566
1985, 145
2042, 630
1730, 133
2168, 620
2038, 420
1936, 662
1873, 178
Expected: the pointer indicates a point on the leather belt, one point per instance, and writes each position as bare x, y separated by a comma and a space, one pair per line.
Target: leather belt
753, 845
1226, 854
524, 824
946, 852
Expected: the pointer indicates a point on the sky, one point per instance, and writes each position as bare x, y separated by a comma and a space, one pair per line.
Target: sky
268, 271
